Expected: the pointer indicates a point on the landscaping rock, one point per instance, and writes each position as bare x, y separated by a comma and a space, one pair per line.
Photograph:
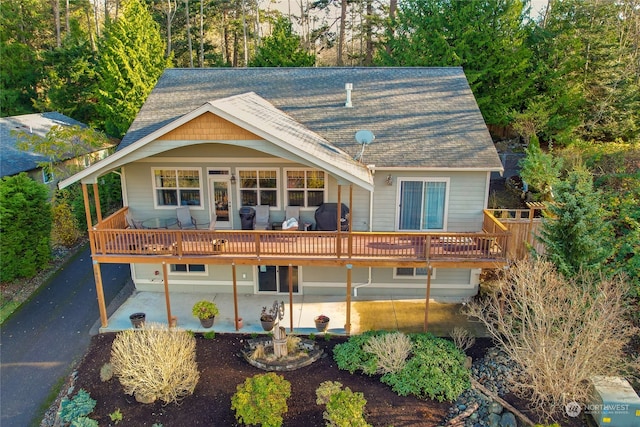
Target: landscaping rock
495, 408
494, 420
508, 420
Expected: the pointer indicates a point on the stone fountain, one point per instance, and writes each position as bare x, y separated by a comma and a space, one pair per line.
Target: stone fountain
281, 352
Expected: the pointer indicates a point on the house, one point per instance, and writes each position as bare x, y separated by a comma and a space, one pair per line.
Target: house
13, 160
405, 150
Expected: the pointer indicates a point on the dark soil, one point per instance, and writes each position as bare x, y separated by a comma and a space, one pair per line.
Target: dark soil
222, 369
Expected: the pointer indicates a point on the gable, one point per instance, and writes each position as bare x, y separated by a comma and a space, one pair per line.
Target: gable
208, 127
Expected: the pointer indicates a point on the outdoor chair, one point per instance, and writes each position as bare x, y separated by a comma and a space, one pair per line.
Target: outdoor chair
261, 218
131, 222
294, 212
186, 221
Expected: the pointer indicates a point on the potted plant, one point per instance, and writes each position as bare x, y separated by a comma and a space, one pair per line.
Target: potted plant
137, 320
267, 318
206, 311
322, 323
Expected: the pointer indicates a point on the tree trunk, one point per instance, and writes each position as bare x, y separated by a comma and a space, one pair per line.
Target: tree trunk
368, 31
67, 18
201, 56
170, 15
244, 34
56, 17
186, 11
343, 20
393, 6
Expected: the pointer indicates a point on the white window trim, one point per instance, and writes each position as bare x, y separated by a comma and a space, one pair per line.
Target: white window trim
155, 192
446, 180
277, 188
414, 277
188, 273
305, 189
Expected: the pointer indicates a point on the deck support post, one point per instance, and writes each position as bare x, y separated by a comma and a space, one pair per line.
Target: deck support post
290, 280
347, 326
171, 321
426, 303
235, 294
96, 197
100, 293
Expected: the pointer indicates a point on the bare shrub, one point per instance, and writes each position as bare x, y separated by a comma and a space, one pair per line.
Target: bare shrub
462, 338
155, 362
560, 331
292, 343
391, 351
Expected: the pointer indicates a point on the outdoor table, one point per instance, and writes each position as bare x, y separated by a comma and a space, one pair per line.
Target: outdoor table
159, 222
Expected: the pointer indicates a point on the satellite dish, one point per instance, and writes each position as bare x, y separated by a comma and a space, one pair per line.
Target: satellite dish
365, 137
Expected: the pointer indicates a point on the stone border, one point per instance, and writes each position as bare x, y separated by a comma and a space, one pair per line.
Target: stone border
314, 353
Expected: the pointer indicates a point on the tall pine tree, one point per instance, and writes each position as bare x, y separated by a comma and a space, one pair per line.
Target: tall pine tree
282, 48
130, 63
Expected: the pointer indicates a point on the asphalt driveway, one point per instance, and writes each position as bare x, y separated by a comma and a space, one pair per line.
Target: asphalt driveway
43, 340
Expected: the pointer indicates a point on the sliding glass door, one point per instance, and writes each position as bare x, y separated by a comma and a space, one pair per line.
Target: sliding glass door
423, 204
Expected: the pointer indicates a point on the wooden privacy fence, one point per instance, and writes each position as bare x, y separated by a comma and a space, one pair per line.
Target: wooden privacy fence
524, 225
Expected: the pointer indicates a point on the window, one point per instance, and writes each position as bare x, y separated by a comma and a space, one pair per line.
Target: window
47, 174
423, 204
188, 268
174, 187
305, 188
412, 273
258, 187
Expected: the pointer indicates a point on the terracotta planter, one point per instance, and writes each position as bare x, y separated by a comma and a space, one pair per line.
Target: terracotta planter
207, 323
137, 320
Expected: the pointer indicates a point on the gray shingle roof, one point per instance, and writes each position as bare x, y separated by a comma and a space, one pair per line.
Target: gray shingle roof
14, 160
421, 117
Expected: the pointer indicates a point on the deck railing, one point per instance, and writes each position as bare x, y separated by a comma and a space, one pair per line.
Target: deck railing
112, 237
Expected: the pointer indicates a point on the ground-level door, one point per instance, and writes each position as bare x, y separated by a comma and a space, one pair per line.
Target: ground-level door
275, 279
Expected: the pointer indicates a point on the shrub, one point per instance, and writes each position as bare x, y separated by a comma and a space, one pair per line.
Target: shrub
79, 406
559, 330
462, 338
25, 227
155, 362
345, 409
326, 390
435, 371
262, 399
65, 230
350, 356
391, 351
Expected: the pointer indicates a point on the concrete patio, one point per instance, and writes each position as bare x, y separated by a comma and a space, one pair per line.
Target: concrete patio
406, 315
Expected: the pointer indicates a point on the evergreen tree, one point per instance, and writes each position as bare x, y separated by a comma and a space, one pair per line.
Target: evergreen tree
131, 61
485, 38
25, 227
282, 48
575, 232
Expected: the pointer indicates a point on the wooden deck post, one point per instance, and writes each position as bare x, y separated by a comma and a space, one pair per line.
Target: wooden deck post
96, 198
290, 297
338, 223
235, 294
171, 321
100, 293
347, 326
426, 304
87, 213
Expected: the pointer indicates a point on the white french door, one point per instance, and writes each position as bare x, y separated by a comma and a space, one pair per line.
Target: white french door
221, 206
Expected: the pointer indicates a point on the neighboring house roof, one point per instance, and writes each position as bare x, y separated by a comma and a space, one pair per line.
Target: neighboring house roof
421, 117
12, 159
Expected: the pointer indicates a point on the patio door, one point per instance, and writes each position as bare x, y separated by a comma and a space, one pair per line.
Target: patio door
275, 279
221, 201
422, 204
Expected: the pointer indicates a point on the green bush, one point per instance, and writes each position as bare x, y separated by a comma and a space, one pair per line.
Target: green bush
25, 227
344, 408
79, 406
65, 231
434, 370
262, 399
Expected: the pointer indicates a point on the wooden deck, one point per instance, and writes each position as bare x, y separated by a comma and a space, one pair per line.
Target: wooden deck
300, 247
